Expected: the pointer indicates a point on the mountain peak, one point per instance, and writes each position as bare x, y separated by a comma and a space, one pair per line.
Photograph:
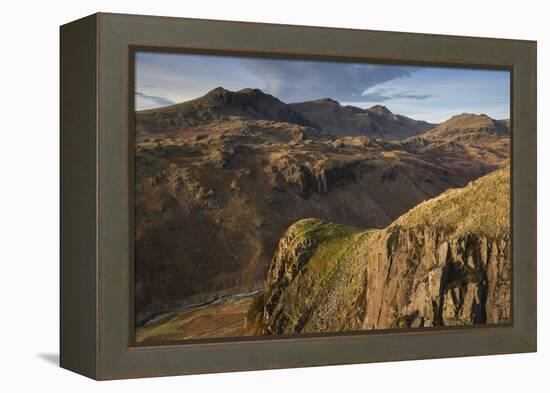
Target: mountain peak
468, 123
218, 90
466, 115
246, 92
380, 110
465, 120
250, 90
221, 102
327, 100
346, 120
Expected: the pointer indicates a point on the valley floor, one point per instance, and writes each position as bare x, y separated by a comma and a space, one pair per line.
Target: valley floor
213, 320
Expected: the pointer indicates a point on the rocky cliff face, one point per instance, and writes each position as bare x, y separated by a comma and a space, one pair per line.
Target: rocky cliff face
423, 277
446, 262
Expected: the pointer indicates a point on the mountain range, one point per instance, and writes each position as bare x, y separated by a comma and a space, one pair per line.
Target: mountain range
324, 114
375, 122
221, 178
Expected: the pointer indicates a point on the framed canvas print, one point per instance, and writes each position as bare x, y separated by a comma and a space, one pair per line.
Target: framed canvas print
240, 196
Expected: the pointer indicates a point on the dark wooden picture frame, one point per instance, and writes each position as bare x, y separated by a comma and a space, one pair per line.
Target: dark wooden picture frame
97, 336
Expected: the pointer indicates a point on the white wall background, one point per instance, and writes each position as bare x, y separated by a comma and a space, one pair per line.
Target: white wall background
29, 193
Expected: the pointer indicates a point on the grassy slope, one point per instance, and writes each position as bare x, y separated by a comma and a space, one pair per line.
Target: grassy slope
482, 207
328, 267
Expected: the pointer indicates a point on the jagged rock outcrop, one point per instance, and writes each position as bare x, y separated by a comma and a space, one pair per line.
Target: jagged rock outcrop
446, 262
318, 176
424, 277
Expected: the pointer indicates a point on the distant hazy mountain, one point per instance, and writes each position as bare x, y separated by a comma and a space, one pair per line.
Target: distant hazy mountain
468, 126
375, 122
463, 142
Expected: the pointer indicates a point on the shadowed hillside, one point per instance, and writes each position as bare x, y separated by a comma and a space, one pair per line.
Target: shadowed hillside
375, 122
219, 104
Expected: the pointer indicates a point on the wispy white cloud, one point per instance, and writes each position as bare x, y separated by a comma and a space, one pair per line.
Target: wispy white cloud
382, 94
304, 80
144, 101
428, 93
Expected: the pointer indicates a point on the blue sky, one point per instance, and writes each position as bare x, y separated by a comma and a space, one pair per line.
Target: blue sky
424, 93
